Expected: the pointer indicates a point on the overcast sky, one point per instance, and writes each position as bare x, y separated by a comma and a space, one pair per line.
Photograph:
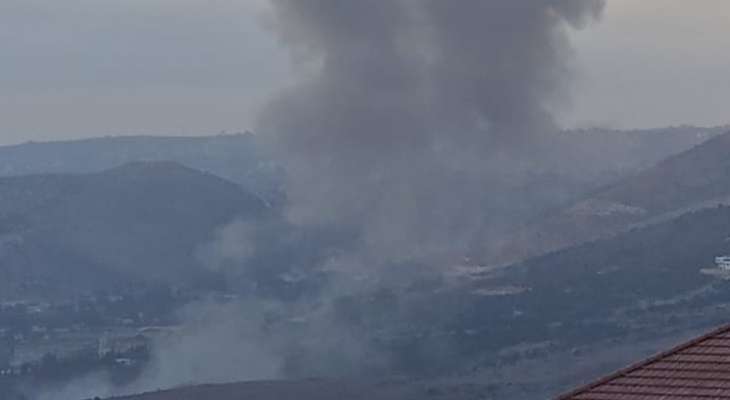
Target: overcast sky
80, 68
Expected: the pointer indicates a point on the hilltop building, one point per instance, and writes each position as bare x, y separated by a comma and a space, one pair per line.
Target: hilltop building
120, 345
723, 262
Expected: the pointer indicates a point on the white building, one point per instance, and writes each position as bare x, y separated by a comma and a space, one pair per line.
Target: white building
723, 262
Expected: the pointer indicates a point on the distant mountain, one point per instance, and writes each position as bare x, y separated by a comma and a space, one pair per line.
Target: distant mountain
696, 178
233, 157
603, 155
606, 151
139, 221
146, 221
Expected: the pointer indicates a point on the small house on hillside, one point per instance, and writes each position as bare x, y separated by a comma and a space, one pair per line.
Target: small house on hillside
723, 262
698, 369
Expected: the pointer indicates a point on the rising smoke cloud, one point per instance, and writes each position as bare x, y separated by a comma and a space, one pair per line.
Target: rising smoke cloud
414, 117
416, 112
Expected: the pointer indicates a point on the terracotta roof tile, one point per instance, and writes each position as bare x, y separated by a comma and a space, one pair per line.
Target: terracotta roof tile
698, 369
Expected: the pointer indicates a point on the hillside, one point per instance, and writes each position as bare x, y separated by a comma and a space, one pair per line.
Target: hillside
568, 317
605, 155
321, 390
626, 151
146, 221
652, 266
696, 178
138, 221
233, 157
578, 313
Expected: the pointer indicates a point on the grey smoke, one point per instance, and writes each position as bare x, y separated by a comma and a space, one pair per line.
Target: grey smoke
242, 340
86, 387
217, 343
256, 339
212, 346
417, 112
232, 245
415, 117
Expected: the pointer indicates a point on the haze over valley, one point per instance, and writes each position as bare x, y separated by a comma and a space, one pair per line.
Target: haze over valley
408, 215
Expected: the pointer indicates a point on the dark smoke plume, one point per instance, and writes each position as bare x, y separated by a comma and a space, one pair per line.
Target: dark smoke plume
418, 112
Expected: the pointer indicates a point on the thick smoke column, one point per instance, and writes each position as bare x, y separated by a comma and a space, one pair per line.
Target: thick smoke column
417, 111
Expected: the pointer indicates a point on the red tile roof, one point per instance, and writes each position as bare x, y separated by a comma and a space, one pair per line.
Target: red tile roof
698, 369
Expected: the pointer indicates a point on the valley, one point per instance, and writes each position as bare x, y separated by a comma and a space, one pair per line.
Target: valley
478, 332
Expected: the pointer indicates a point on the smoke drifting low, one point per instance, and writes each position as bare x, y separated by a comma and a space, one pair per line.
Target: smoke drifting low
418, 112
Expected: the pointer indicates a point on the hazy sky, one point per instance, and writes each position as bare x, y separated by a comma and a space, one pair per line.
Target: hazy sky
79, 68
654, 63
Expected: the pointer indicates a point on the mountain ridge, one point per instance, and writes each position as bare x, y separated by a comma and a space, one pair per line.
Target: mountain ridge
696, 178
124, 220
